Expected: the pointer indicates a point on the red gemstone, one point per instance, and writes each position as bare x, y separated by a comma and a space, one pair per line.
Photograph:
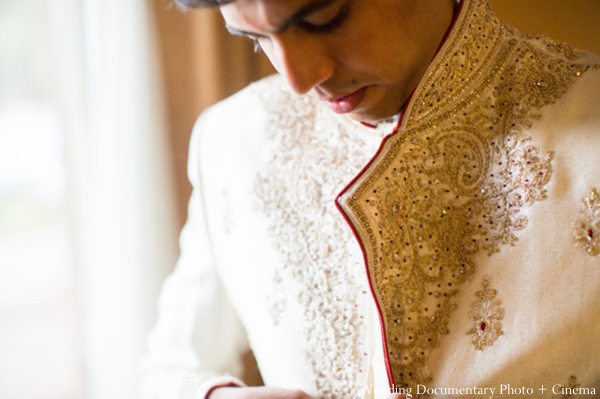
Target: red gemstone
482, 327
590, 233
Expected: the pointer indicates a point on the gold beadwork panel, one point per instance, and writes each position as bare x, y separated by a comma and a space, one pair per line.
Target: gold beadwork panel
456, 179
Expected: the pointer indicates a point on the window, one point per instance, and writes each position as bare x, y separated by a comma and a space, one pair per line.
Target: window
38, 328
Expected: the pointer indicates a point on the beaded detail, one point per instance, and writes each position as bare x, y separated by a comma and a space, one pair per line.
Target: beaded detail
485, 324
456, 178
586, 233
314, 154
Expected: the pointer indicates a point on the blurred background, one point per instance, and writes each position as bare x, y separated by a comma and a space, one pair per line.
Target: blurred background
97, 102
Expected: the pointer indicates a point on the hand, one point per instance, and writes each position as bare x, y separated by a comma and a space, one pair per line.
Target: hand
257, 393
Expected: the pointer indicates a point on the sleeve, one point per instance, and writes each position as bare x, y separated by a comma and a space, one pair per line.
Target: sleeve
197, 342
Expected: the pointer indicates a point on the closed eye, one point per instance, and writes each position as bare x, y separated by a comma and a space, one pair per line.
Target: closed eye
317, 18
318, 24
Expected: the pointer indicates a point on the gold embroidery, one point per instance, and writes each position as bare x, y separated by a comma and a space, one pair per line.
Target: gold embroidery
587, 227
554, 46
471, 48
485, 317
569, 391
455, 179
535, 81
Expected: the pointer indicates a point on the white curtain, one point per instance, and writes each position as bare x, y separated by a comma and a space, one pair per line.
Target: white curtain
122, 188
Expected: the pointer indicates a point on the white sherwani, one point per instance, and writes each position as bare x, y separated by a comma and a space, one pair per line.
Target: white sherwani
457, 257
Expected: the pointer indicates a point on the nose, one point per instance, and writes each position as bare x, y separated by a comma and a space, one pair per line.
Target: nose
303, 63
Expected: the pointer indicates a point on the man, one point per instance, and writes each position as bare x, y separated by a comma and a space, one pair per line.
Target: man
462, 156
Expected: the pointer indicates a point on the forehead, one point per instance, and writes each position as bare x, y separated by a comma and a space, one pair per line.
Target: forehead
268, 14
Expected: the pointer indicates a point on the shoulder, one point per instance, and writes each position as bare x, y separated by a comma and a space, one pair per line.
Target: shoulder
570, 128
256, 104
243, 110
250, 113
577, 107
237, 132
551, 79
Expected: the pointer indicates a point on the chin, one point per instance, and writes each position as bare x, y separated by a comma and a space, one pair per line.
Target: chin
371, 118
374, 114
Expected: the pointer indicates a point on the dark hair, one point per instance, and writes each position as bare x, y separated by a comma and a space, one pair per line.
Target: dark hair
200, 3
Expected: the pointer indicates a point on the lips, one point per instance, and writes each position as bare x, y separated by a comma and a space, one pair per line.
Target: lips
347, 103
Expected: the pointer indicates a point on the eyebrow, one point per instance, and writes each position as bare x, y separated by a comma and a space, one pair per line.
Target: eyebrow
305, 10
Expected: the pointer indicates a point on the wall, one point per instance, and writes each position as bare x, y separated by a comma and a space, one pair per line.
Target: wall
576, 22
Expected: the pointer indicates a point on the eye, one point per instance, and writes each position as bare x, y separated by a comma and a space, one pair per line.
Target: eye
325, 20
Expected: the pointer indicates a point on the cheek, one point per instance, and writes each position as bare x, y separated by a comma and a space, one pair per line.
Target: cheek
368, 61
370, 47
360, 58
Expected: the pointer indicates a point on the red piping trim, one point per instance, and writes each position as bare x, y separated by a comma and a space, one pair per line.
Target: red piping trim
452, 23
369, 125
362, 247
224, 385
362, 171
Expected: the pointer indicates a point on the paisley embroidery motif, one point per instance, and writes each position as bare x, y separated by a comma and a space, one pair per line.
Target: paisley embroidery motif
485, 317
587, 226
455, 180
